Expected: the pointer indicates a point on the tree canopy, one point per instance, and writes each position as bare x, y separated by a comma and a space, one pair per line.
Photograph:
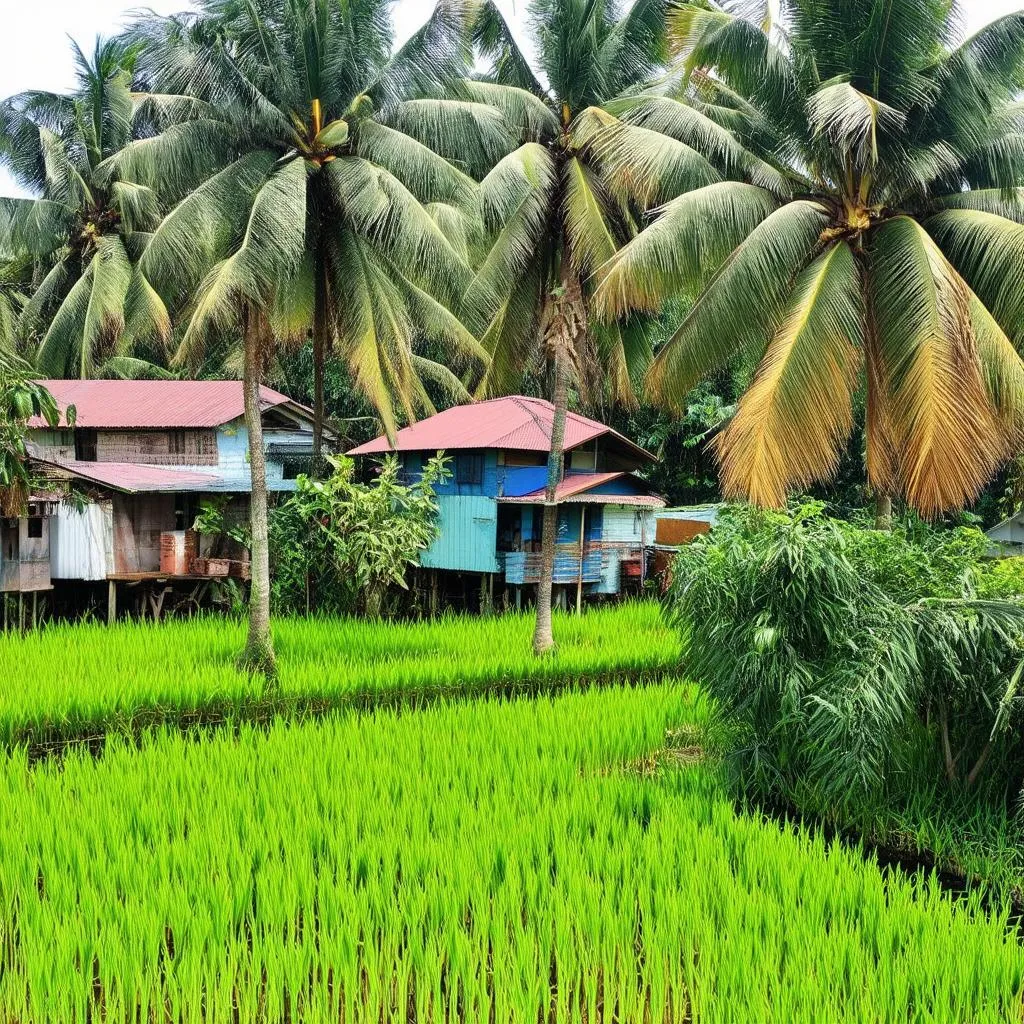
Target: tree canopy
875, 248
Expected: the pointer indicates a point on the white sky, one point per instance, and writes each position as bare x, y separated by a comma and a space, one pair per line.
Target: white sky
34, 52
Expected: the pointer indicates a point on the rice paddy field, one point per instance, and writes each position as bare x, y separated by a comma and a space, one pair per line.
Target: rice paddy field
70, 682
555, 855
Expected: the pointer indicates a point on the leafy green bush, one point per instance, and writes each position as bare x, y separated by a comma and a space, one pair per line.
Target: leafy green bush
340, 545
828, 645
1002, 578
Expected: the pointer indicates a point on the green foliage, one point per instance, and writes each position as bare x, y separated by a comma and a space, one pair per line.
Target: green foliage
1002, 578
823, 641
309, 173
859, 233
82, 233
212, 521
350, 540
20, 399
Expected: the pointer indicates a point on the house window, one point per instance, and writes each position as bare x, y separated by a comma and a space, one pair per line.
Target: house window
294, 465
85, 445
35, 527
469, 470
176, 442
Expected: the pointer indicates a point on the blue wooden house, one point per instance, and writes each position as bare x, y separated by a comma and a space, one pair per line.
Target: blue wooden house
491, 507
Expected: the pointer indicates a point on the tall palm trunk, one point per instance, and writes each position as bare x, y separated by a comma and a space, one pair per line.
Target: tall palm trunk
321, 343
259, 648
543, 638
564, 324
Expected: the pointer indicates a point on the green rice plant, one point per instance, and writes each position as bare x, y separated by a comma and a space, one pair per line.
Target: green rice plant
551, 860
72, 682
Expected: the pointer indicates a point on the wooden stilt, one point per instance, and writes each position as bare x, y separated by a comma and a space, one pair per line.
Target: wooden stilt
35, 609
433, 593
111, 602
21, 612
519, 598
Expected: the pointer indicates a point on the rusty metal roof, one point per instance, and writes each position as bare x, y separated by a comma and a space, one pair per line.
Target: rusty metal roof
579, 487
131, 477
155, 404
516, 423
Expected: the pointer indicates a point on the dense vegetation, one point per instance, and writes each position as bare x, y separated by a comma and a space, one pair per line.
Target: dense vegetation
566, 859
866, 676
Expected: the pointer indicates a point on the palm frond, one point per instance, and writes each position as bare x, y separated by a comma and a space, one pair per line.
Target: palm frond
272, 249
111, 273
473, 136
688, 124
59, 353
524, 111
428, 176
586, 218
743, 306
852, 120
494, 41
792, 421
988, 251
201, 229
639, 163
678, 253
948, 438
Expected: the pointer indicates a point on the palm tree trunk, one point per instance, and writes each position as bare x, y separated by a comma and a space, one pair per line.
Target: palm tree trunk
320, 345
883, 511
259, 649
543, 638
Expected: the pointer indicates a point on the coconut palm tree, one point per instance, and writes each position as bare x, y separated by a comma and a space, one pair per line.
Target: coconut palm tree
313, 200
552, 221
891, 264
315, 87
83, 233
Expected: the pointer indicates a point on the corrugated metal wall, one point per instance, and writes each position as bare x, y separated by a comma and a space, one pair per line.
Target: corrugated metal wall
468, 537
628, 526
82, 543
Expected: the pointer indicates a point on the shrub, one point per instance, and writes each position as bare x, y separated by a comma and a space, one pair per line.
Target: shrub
1002, 578
341, 544
825, 645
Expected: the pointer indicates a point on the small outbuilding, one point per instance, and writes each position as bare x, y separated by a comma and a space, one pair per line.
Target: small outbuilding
1008, 536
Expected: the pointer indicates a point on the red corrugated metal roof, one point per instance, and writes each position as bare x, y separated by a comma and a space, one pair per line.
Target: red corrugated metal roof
517, 423
153, 404
133, 477
577, 487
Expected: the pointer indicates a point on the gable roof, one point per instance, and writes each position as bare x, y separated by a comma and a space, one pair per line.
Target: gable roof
157, 404
515, 423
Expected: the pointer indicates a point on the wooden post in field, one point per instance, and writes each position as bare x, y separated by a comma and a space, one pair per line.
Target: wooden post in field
111, 602
579, 578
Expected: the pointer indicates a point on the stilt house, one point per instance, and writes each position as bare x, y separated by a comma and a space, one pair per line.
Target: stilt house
124, 482
491, 508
